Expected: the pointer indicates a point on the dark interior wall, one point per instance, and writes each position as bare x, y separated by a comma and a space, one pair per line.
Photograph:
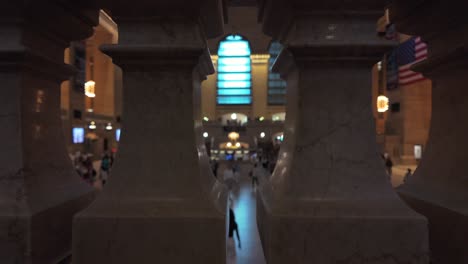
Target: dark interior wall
243, 21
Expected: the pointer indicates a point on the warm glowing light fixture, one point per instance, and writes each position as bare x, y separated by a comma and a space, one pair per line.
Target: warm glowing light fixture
206, 119
234, 136
92, 125
262, 135
89, 88
382, 104
234, 116
205, 135
261, 118
109, 126
238, 145
260, 58
229, 144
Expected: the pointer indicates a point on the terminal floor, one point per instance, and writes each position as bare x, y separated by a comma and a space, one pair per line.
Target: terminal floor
244, 207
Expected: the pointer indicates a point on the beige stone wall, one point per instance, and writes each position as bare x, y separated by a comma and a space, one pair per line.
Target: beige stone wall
259, 105
379, 118
244, 21
65, 87
416, 109
103, 73
259, 89
410, 126
107, 104
65, 107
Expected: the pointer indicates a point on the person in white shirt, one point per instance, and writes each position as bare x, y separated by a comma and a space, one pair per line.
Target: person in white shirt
229, 176
257, 172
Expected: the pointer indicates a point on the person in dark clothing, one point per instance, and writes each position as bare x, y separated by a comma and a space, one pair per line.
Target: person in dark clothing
215, 168
407, 175
389, 165
105, 168
233, 226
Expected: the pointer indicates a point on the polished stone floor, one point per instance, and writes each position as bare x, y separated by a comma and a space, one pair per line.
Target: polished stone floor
245, 211
398, 173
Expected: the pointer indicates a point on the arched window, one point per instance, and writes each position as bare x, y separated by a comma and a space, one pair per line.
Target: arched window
234, 71
276, 85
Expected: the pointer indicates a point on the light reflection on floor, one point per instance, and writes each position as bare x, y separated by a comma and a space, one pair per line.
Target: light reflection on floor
245, 211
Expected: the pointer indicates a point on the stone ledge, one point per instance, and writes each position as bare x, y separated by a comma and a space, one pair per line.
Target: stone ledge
139, 57
447, 230
342, 239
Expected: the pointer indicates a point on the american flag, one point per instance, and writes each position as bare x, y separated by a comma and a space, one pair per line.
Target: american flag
408, 53
400, 60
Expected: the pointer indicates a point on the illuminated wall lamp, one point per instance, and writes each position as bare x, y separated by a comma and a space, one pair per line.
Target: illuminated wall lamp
92, 125
89, 89
382, 104
109, 126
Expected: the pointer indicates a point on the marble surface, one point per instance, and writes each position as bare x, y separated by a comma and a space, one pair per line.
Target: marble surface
39, 188
438, 187
162, 203
329, 199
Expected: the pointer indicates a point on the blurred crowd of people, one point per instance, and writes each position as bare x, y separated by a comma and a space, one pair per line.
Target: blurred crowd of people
84, 166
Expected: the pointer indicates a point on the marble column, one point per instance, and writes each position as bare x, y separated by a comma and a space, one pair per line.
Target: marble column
39, 188
162, 203
439, 187
329, 199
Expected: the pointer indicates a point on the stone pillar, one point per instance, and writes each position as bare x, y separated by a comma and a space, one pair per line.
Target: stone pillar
329, 199
162, 204
438, 188
39, 188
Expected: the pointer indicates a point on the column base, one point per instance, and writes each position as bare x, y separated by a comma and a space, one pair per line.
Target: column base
448, 230
148, 232
330, 234
39, 236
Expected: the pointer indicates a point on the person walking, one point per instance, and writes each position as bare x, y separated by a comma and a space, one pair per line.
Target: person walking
215, 166
257, 172
407, 175
229, 177
105, 168
88, 169
388, 165
233, 227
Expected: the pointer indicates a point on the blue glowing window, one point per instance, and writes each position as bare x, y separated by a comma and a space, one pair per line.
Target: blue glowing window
234, 91
234, 71
117, 134
78, 135
276, 85
234, 99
